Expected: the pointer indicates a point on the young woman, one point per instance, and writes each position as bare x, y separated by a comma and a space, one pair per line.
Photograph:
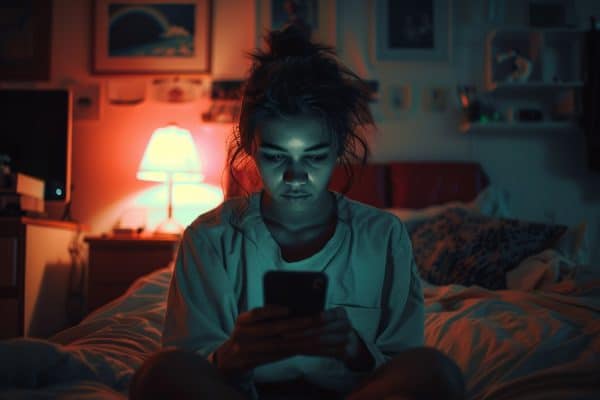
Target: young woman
300, 114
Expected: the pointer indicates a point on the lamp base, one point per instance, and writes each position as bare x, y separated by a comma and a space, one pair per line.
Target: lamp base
169, 226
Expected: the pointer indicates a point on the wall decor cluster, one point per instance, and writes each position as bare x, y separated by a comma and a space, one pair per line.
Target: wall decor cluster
225, 97
411, 30
25, 30
151, 36
318, 16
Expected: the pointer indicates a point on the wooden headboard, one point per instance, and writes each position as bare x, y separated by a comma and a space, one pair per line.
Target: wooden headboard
398, 184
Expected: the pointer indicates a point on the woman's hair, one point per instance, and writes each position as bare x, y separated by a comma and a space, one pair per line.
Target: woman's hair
295, 76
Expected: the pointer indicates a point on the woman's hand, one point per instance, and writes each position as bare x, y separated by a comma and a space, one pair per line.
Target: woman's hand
334, 337
265, 335
259, 337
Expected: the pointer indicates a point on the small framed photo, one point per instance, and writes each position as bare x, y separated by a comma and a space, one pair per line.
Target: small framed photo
151, 36
318, 16
412, 30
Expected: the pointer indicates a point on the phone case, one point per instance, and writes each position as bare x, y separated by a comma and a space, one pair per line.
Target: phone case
303, 292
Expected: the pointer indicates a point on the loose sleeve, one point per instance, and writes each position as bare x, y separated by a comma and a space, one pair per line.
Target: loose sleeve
201, 305
402, 323
201, 308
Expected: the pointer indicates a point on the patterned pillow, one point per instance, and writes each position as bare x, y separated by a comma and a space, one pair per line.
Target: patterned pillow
467, 248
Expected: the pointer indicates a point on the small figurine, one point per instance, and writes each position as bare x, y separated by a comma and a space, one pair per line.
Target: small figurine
521, 66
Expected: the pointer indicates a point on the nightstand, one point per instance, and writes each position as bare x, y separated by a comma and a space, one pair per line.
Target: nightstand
115, 262
36, 267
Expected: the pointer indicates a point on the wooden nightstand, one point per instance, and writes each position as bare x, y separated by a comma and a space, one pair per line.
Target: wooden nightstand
35, 275
114, 262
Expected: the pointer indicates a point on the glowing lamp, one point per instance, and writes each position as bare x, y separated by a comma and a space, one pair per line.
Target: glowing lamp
170, 157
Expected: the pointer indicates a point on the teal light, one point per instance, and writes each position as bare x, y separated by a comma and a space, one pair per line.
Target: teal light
58, 191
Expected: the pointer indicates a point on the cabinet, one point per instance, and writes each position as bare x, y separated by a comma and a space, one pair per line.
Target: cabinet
115, 262
532, 80
35, 275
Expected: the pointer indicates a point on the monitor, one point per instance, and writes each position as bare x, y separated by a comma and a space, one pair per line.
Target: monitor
35, 132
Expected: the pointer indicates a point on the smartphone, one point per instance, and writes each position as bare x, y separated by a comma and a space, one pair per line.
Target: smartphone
303, 292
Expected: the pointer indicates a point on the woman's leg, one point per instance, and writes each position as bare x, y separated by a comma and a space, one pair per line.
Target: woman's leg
418, 373
178, 374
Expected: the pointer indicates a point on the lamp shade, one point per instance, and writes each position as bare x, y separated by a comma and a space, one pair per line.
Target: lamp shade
170, 155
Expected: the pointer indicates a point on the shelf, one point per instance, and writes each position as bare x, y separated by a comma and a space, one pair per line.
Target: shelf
517, 126
532, 88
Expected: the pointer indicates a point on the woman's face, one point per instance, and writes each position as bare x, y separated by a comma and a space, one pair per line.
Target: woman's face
295, 157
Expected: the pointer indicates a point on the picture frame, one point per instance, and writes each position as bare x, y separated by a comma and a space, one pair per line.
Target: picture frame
412, 30
25, 40
151, 36
320, 15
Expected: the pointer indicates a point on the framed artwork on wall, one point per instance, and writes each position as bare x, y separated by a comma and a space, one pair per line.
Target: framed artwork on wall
318, 16
151, 36
412, 30
25, 45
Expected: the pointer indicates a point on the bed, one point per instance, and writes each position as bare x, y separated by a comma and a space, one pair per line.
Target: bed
512, 301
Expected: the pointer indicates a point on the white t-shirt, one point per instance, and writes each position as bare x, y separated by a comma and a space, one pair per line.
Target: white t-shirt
369, 262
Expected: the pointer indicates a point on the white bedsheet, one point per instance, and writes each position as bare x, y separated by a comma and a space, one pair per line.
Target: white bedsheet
510, 344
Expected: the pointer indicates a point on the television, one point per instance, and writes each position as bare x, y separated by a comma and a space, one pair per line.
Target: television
35, 132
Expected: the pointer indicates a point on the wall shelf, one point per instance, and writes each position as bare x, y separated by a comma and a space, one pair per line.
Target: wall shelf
517, 126
529, 72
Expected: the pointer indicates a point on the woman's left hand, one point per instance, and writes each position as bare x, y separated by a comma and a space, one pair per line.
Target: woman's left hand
337, 338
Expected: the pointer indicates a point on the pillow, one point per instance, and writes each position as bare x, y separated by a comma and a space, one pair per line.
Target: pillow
468, 248
491, 201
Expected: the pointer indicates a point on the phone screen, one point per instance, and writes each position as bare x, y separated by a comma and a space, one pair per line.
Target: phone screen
303, 292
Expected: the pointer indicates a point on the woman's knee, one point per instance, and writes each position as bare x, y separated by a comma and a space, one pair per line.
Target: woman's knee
180, 374
441, 376
425, 372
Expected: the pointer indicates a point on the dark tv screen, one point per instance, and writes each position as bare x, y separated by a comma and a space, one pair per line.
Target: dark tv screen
35, 132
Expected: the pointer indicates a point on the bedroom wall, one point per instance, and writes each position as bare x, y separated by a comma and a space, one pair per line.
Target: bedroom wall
543, 173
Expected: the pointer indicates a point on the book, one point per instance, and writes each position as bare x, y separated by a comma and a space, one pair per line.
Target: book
18, 183
10, 202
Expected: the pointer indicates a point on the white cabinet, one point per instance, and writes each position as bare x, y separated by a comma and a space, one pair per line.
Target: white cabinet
36, 270
532, 80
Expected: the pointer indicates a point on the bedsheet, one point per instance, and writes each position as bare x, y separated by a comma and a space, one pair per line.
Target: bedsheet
510, 344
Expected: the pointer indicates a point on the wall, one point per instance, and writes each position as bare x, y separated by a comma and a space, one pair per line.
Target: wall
543, 173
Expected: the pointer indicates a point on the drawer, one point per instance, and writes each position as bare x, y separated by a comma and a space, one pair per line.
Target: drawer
126, 265
8, 267
9, 309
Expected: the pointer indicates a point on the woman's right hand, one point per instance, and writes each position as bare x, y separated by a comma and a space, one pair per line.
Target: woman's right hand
258, 338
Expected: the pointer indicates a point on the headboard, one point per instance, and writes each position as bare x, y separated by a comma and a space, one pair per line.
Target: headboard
398, 184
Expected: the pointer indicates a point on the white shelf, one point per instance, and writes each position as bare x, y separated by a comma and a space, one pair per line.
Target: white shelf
532, 88
517, 126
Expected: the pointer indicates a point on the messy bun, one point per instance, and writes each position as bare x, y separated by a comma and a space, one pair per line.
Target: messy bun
295, 76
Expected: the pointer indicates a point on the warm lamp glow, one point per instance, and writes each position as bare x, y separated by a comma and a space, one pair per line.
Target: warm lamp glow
170, 156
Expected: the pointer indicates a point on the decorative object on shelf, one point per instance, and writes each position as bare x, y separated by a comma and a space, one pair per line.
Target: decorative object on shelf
412, 30
170, 157
25, 39
435, 99
521, 66
158, 36
177, 89
126, 92
318, 16
225, 96
86, 102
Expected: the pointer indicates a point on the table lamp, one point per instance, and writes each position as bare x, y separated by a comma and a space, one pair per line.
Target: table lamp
170, 157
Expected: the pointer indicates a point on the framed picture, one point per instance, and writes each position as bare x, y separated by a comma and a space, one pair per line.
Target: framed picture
151, 36
25, 40
412, 30
317, 15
